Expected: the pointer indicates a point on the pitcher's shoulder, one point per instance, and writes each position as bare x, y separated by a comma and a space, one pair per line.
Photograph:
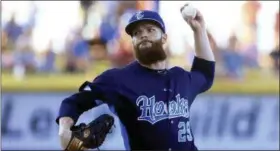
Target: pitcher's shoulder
117, 73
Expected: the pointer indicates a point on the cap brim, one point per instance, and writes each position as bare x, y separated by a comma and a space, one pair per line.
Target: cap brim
129, 28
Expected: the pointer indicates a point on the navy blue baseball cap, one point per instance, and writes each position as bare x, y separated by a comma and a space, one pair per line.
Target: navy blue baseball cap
144, 15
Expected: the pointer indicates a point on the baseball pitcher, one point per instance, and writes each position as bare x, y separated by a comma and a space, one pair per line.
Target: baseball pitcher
152, 102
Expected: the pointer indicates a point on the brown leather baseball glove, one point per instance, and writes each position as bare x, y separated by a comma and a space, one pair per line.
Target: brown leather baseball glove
92, 135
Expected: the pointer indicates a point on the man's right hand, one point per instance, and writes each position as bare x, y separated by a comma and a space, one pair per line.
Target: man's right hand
65, 123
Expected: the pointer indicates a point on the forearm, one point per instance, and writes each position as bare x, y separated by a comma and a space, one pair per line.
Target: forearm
64, 132
202, 45
65, 124
70, 110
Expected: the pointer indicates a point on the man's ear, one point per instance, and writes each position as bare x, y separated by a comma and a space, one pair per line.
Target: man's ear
164, 38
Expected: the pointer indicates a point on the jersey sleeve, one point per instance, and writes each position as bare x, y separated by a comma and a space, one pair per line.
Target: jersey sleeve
103, 87
201, 76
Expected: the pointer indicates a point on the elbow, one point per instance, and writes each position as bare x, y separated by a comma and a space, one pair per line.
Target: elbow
204, 71
68, 108
72, 104
75, 105
209, 83
209, 79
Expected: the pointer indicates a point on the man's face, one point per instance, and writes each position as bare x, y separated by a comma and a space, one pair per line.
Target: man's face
148, 40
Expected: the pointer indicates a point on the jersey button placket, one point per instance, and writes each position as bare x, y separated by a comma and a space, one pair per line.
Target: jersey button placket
171, 124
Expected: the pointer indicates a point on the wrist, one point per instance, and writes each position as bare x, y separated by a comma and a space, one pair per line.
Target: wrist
200, 31
64, 130
65, 122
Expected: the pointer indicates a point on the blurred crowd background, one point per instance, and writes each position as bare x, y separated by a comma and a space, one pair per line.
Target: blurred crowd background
74, 37
52, 47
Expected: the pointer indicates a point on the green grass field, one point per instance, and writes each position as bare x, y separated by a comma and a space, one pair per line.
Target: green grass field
254, 83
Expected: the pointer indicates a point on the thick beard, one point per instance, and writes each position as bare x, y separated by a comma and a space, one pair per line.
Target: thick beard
150, 55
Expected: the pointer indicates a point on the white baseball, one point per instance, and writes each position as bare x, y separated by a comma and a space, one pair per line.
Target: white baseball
189, 12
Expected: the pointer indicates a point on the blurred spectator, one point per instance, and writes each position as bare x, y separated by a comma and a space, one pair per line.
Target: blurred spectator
85, 8
111, 32
250, 10
24, 56
6, 54
110, 23
123, 53
4, 40
98, 50
125, 6
47, 63
232, 59
251, 56
13, 31
275, 55
148, 5
24, 53
77, 53
108, 29
276, 29
123, 56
